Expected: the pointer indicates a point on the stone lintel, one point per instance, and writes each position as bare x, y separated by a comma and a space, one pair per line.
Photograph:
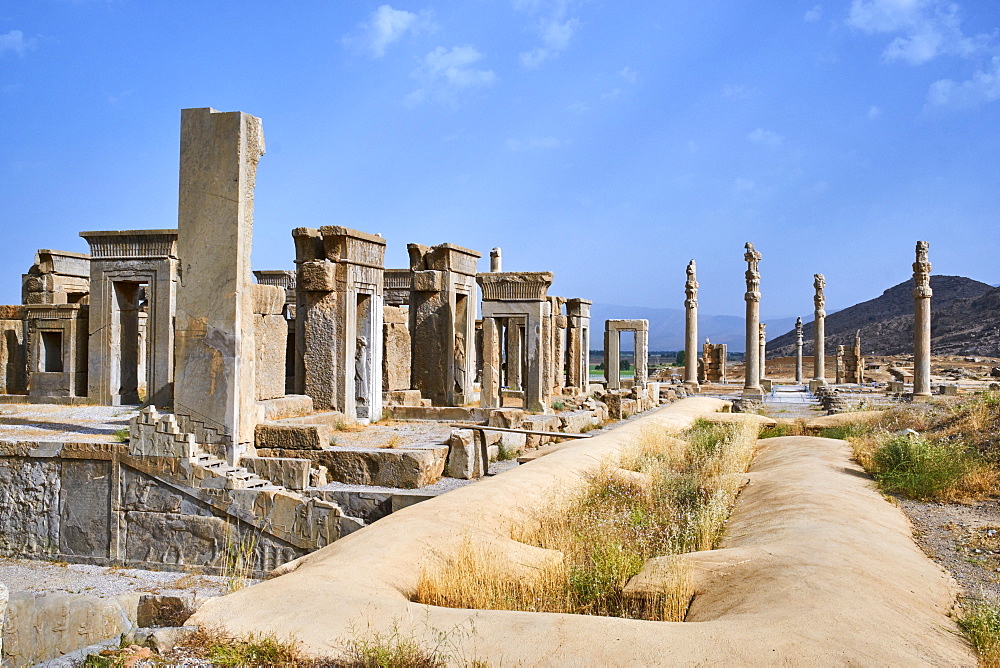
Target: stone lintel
64, 263
283, 278
515, 285
342, 244
443, 257
131, 244
53, 311
627, 325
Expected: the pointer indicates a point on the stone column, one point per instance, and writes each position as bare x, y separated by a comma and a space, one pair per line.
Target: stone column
691, 329
819, 330
558, 335
578, 344
839, 366
641, 356
922, 322
515, 354
751, 386
214, 342
495, 261
798, 350
763, 350
612, 357
491, 394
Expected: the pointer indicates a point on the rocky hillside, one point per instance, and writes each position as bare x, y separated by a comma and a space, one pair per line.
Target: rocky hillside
965, 321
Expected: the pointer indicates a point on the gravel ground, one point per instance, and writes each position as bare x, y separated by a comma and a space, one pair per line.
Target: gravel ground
51, 422
963, 539
47, 576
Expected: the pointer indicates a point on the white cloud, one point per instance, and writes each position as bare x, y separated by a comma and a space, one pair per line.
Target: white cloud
612, 94
16, 42
983, 87
534, 143
114, 100
814, 14
738, 91
929, 28
744, 185
386, 26
628, 74
874, 112
768, 138
446, 70
454, 65
555, 28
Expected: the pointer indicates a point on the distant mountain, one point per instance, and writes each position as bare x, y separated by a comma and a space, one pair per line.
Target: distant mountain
965, 319
666, 327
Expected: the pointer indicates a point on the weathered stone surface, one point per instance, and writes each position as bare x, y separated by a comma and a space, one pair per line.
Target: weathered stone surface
166, 610
271, 337
465, 459
268, 299
83, 499
292, 436
338, 323
442, 314
13, 354
396, 345
287, 472
402, 398
576, 422
39, 627
29, 525
288, 406
214, 350
387, 467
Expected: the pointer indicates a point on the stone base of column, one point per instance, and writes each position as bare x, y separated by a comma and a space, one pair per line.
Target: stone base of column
815, 384
692, 386
920, 398
753, 394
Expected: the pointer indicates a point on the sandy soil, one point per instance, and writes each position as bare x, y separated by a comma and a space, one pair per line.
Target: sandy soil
50, 422
963, 539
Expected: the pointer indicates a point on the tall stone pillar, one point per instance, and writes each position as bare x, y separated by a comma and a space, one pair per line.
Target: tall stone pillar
515, 354
839, 365
922, 322
763, 350
491, 394
641, 356
578, 344
798, 350
495, 261
557, 332
214, 342
612, 357
691, 328
819, 330
751, 386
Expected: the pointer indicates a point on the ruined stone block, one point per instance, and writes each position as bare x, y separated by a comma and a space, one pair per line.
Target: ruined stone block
465, 458
285, 471
292, 436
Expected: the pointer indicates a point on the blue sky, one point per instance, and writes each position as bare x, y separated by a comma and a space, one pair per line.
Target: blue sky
608, 142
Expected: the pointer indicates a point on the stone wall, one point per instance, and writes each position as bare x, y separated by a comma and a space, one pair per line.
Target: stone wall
158, 502
13, 351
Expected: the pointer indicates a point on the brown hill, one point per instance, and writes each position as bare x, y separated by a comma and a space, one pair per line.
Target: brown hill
965, 321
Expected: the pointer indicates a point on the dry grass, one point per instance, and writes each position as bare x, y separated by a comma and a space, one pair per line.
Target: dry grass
664, 496
240, 556
953, 456
221, 648
341, 425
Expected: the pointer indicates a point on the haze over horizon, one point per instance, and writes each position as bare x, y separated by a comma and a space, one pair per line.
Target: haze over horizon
607, 145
